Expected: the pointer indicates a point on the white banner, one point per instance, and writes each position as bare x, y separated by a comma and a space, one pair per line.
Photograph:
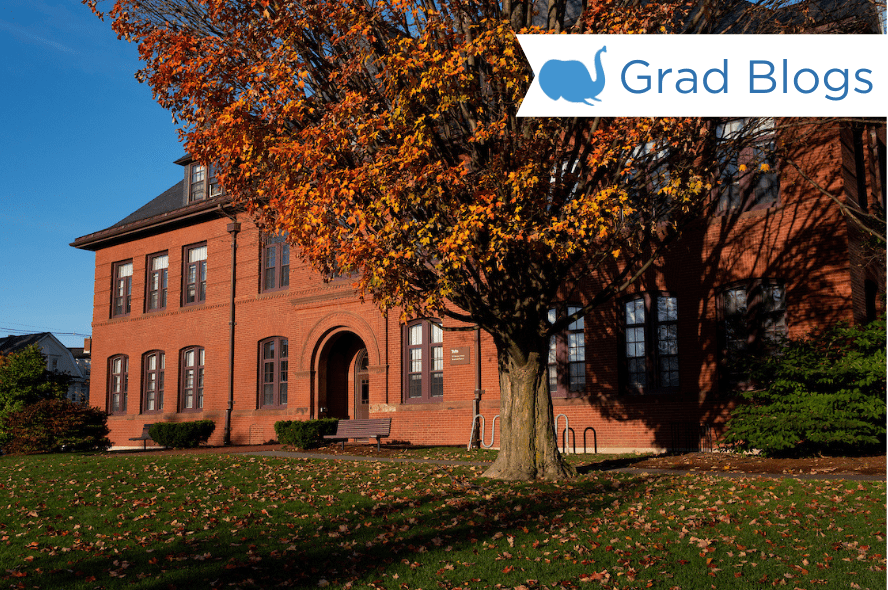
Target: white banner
706, 75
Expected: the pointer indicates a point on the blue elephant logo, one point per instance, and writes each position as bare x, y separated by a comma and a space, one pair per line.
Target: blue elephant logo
571, 80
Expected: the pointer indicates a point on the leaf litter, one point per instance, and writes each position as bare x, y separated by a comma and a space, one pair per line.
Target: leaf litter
237, 521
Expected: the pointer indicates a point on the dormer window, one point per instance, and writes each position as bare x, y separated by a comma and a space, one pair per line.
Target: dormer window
203, 183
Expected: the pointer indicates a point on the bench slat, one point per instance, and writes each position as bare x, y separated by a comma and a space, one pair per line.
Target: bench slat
145, 436
368, 428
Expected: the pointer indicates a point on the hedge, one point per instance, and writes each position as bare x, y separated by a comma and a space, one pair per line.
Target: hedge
304, 434
181, 435
823, 395
54, 425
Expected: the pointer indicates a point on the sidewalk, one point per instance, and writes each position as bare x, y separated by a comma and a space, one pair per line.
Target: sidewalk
627, 470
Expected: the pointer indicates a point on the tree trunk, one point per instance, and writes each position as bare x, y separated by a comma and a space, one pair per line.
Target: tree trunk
528, 446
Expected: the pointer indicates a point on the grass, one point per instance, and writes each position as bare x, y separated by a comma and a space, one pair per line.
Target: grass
214, 521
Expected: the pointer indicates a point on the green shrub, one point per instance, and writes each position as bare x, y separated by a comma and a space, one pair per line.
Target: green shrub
181, 435
24, 380
54, 425
822, 395
304, 434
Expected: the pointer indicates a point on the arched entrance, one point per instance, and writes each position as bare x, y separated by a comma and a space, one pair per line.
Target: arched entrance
343, 378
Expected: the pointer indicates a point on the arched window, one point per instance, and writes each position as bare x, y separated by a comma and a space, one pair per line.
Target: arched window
191, 384
567, 354
153, 366
423, 361
118, 383
273, 365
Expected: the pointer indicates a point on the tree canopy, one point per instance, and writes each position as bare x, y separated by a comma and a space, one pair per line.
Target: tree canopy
24, 380
382, 138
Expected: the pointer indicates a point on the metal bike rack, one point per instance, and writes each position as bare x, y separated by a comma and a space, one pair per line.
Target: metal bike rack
594, 439
564, 433
492, 431
564, 437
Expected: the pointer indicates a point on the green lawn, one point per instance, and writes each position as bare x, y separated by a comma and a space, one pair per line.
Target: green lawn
204, 521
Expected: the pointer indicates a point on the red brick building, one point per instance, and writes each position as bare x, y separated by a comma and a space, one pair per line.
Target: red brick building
197, 315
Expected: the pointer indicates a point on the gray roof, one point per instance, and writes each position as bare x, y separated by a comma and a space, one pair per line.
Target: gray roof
167, 208
9, 344
171, 199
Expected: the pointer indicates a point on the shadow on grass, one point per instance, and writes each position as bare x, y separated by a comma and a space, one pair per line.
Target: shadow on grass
446, 524
617, 463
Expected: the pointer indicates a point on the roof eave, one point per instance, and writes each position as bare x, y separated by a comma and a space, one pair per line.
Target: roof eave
106, 237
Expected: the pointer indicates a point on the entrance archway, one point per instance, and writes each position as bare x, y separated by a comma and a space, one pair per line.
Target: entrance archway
343, 378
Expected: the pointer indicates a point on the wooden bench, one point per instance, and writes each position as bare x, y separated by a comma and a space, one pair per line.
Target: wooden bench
145, 437
375, 428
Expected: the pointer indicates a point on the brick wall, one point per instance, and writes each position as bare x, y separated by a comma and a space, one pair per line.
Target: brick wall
802, 241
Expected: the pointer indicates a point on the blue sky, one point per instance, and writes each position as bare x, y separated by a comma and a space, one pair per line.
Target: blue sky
82, 146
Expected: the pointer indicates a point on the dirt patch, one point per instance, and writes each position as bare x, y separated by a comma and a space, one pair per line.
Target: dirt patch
722, 462
694, 462
697, 462
203, 450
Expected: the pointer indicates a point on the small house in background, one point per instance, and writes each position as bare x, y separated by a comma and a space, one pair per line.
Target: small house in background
59, 359
82, 358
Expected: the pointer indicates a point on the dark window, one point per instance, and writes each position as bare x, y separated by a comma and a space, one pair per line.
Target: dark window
198, 183
423, 361
203, 183
871, 297
653, 161
749, 174
118, 383
195, 274
275, 263
213, 187
648, 178
752, 322
155, 363
122, 288
156, 286
192, 379
650, 344
567, 355
273, 367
